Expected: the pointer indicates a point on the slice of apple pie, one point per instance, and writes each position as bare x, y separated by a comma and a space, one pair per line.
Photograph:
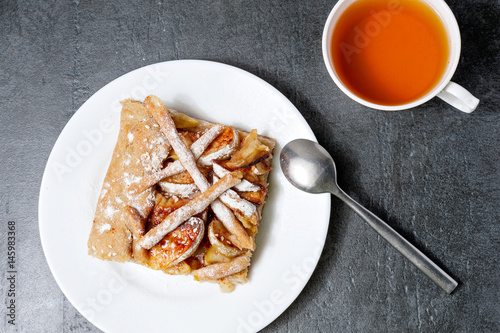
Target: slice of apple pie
182, 195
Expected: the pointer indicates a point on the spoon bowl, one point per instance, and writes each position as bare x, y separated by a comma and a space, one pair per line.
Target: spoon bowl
310, 168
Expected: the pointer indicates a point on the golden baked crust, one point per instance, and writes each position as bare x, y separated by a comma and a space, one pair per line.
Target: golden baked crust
182, 195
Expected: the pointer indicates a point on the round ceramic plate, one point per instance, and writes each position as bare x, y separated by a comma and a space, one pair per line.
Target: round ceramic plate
128, 297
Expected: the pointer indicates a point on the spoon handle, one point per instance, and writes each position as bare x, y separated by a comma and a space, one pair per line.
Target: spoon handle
417, 258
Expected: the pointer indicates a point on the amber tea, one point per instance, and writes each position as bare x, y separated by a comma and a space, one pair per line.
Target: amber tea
390, 52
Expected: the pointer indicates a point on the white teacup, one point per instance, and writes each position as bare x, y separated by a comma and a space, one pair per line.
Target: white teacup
448, 91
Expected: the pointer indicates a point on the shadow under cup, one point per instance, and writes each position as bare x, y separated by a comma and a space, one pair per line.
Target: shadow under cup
365, 21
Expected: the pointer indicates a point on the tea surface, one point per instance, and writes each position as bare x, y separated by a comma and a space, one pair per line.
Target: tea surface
390, 52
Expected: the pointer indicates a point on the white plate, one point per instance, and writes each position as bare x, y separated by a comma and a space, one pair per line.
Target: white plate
130, 298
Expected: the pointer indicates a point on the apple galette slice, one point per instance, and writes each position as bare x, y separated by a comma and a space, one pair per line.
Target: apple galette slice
182, 195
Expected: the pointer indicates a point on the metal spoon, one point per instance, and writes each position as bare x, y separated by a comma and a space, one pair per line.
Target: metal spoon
310, 168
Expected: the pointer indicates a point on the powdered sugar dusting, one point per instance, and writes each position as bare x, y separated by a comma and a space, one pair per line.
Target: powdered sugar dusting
129, 179
199, 146
217, 271
182, 190
222, 153
223, 213
244, 186
110, 211
195, 206
104, 227
234, 201
198, 224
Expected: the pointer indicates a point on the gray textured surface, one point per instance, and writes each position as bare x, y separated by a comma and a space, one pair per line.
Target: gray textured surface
432, 172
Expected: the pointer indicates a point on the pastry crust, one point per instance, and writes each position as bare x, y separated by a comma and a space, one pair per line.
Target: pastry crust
140, 150
172, 181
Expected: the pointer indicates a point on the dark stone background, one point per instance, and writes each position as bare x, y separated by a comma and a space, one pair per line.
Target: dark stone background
432, 172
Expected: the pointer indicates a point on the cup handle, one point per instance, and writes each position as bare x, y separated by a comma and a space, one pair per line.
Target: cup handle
458, 97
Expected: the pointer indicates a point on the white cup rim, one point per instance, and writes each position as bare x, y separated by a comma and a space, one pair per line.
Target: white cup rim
453, 34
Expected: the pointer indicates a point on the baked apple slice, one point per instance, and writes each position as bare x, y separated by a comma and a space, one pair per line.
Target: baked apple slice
178, 245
